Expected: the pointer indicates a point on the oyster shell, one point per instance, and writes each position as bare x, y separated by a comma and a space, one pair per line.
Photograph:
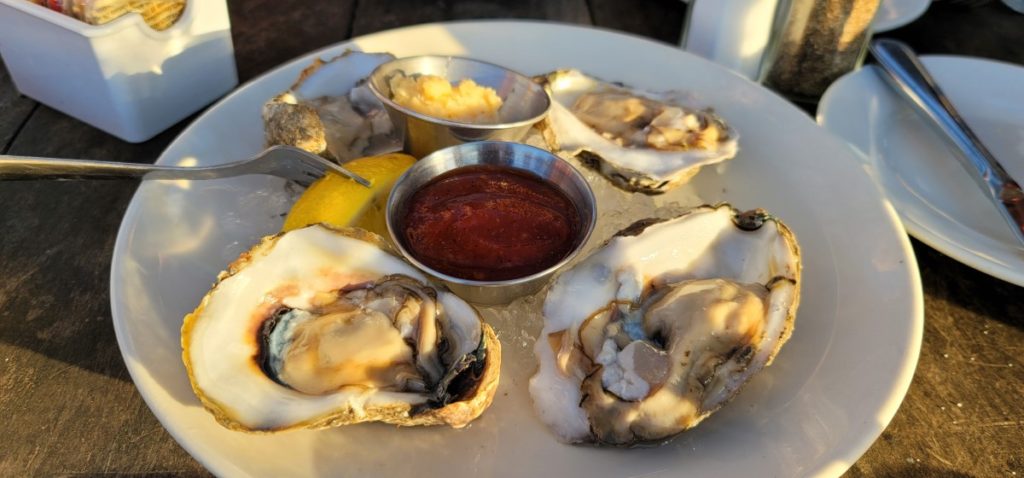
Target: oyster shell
662, 325
319, 327
640, 140
329, 111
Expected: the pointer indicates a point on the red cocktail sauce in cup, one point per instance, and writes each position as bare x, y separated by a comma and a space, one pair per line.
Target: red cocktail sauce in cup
490, 223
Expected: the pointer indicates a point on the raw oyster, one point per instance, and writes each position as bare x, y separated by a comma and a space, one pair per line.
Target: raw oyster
319, 327
640, 140
662, 325
329, 111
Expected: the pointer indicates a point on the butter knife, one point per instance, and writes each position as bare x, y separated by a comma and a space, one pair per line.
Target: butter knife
909, 77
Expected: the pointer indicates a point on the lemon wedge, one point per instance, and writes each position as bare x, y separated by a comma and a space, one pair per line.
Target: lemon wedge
339, 201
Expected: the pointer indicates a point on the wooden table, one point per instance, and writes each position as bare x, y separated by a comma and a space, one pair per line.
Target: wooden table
69, 407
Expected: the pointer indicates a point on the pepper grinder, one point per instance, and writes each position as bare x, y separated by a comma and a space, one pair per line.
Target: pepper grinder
814, 42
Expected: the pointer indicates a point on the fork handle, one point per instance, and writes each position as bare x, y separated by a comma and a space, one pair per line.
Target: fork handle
27, 167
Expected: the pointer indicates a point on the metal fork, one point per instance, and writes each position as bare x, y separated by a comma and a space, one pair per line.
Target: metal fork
283, 161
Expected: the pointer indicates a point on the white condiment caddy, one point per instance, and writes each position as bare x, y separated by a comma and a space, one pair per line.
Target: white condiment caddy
122, 77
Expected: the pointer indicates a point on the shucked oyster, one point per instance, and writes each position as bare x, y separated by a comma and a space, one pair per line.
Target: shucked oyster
319, 327
662, 326
329, 111
640, 140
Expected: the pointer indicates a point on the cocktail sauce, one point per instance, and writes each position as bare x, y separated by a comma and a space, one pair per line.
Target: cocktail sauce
489, 223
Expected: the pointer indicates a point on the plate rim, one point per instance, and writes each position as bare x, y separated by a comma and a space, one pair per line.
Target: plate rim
842, 458
958, 252
904, 20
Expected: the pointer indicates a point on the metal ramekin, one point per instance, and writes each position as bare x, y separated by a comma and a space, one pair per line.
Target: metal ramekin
523, 103
518, 156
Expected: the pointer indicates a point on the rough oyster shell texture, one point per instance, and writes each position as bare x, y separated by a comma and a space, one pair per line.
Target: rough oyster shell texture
319, 327
662, 325
642, 141
329, 111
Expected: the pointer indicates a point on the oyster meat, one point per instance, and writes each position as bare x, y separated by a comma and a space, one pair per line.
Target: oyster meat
331, 112
319, 327
662, 325
642, 141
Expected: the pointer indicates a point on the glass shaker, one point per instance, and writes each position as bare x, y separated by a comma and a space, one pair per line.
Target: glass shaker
814, 43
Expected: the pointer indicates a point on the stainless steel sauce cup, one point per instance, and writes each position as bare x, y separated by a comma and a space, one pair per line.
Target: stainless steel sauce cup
529, 159
523, 102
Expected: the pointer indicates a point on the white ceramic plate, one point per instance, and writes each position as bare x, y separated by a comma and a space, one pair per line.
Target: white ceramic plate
893, 14
936, 198
829, 394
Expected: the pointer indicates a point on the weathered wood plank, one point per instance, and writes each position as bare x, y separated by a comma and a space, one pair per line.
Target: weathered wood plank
67, 401
376, 16
963, 414
14, 108
270, 32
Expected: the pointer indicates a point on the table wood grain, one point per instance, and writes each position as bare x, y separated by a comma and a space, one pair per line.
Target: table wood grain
68, 406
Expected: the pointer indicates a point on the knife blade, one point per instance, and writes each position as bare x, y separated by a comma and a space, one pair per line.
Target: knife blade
909, 77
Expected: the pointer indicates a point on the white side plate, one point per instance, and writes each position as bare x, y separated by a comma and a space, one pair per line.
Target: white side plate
936, 198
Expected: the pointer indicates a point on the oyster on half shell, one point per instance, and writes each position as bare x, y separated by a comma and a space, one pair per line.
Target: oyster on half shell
662, 325
331, 112
319, 327
640, 140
